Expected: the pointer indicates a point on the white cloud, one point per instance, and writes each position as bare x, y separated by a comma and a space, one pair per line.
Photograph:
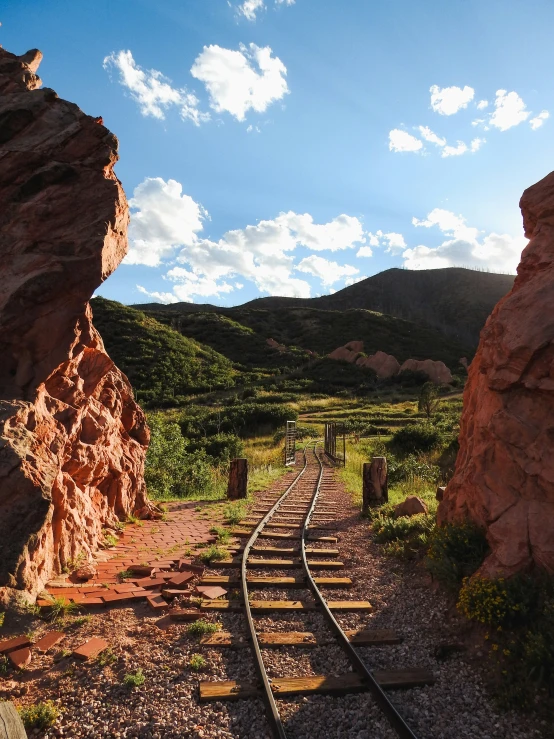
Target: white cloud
328, 272
402, 141
238, 81
476, 144
364, 251
249, 8
454, 151
482, 104
509, 110
464, 247
539, 119
392, 241
164, 219
450, 100
152, 91
159, 297
161, 219
428, 135
252, 129
353, 280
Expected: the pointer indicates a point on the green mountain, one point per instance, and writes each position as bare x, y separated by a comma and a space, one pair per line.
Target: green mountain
160, 363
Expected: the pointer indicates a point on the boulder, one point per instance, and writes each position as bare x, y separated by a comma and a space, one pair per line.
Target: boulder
355, 346
410, 507
72, 438
385, 365
344, 354
437, 372
504, 475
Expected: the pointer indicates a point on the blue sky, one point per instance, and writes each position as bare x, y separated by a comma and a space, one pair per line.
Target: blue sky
292, 147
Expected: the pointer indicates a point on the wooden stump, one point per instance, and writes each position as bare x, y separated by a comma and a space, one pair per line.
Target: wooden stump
238, 479
11, 726
375, 483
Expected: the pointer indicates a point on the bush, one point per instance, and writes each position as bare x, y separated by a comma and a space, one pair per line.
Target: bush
497, 602
134, 679
456, 551
202, 627
415, 438
40, 716
410, 468
197, 662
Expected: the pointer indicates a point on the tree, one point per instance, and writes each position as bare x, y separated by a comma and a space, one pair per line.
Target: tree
428, 399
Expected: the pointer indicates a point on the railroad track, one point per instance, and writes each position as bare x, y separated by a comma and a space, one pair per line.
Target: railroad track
292, 531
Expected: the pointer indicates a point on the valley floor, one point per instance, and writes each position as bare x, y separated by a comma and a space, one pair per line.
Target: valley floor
94, 700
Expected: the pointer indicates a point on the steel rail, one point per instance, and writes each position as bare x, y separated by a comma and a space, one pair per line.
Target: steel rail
395, 719
275, 719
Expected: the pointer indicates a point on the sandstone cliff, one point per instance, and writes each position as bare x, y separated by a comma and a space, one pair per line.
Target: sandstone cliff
72, 439
504, 477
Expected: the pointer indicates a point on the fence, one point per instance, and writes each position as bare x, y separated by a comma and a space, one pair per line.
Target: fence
335, 442
290, 443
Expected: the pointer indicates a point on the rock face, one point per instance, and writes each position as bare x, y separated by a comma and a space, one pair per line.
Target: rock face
412, 506
437, 372
504, 477
385, 365
72, 438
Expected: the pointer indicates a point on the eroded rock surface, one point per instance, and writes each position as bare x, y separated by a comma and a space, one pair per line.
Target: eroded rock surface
385, 365
72, 438
436, 371
504, 477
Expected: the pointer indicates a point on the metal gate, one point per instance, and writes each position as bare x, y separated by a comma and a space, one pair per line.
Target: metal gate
335, 442
290, 443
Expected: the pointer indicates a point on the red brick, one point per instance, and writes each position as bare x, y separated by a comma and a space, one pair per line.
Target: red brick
210, 591
180, 580
173, 592
118, 597
11, 645
49, 640
89, 602
125, 588
91, 648
149, 582
20, 657
145, 570
157, 603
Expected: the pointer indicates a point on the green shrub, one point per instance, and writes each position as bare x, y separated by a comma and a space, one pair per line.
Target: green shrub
202, 627
134, 679
213, 554
456, 551
405, 537
234, 512
40, 716
197, 662
415, 438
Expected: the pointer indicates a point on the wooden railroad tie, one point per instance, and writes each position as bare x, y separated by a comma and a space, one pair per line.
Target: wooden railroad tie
231, 581
318, 526
274, 606
282, 564
282, 687
361, 637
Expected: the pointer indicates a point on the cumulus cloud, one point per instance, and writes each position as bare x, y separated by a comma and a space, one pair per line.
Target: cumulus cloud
482, 104
328, 272
152, 91
239, 81
539, 119
403, 141
465, 246
353, 280
364, 251
162, 218
509, 110
450, 100
158, 296
393, 242
428, 135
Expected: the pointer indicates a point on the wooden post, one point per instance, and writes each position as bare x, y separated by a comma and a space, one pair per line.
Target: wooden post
11, 726
375, 483
238, 479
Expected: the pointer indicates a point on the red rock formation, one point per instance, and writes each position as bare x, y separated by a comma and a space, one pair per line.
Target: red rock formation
72, 439
504, 477
385, 365
349, 352
437, 372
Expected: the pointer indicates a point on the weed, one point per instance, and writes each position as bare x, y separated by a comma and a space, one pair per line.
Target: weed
213, 554
2, 617
201, 628
134, 520
40, 716
125, 573
3, 664
223, 534
80, 621
234, 512
107, 657
198, 508
456, 551
197, 662
134, 679
60, 608
110, 540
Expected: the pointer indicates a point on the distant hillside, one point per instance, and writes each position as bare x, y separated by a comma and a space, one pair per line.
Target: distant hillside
241, 334
160, 363
455, 301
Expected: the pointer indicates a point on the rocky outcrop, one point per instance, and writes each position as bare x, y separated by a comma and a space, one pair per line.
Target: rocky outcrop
344, 354
72, 438
411, 506
437, 372
384, 365
504, 477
